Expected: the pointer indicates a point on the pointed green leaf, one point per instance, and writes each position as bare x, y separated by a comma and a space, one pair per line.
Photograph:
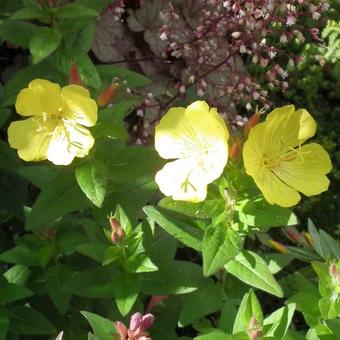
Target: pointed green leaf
102, 327
253, 270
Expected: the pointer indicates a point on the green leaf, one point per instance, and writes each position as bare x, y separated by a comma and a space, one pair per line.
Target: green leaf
277, 262
4, 323
139, 263
54, 277
18, 274
75, 10
277, 323
332, 244
123, 219
260, 213
220, 245
29, 321
334, 326
253, 270
190, 236
320, 247
329, 308
92, 283
102, 328
10, 292
20, 255
200, 303
55, 201
28, 13
207, 209
306, 303
214, 336
126, 288
93, 250
18, 32
92, 178
249, 308
4, 115
132, 78
228, 315
175, 277
44, 43
325, 280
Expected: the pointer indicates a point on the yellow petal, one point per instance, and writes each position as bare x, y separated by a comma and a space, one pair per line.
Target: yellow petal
183, 133
42, 97
69, 141
274, 190
174, 180
31, 137
306, 172
78, 106
287, 128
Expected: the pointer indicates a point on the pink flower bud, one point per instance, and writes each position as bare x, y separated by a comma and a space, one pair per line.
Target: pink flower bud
121, 329
135, 321
147, 321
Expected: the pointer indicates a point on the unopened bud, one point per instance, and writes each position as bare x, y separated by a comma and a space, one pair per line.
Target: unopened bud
117, 233
121, 329
135, 321
294, 235
154, 301
106, 96
278, 246
254, 329
308, 239
146, 322
253, 120
73, 75
235, 150
333, 270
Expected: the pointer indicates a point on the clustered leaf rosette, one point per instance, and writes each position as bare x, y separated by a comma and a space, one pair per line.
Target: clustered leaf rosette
197, 138
278, 162
56, 127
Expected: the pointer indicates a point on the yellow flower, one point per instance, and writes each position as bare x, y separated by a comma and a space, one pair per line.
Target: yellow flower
197, 138
274, 156
55, 131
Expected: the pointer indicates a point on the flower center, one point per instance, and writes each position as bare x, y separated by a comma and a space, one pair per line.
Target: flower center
274, 162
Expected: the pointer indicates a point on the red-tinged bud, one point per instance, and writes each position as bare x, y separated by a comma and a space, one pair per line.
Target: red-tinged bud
147, 322
235, 150
332, 270
253, 120
117, 233
74, 77
294, 235
254, 329
121, 329
154, 301
106, 96
308, 239
278, 246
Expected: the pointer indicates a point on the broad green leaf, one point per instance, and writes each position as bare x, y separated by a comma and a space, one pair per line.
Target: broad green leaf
29, 321
75, 10
132, 78
276, 262
10, 292
249, 308
318, 243
18, 274
291, 335
200, 303
329, 308
55, 201
306, 303
4, 323
20, 255
111, 254
190, 236
39, 175
334, 326
28, 13
228, 315
98, 5
102, 327
18, 32
175, 277
44, 43
93, 250
139, 263
302, 254
126, 288
214, 336
253, 270
220, 245
332, 244
277, 323
325, 280
123, 219
54, 277
92, 178
260, 213
207, 209
92, 283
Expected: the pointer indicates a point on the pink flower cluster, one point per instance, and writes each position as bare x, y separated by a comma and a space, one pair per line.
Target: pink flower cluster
139, 323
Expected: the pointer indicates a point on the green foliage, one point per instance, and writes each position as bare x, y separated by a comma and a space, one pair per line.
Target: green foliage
92, 243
